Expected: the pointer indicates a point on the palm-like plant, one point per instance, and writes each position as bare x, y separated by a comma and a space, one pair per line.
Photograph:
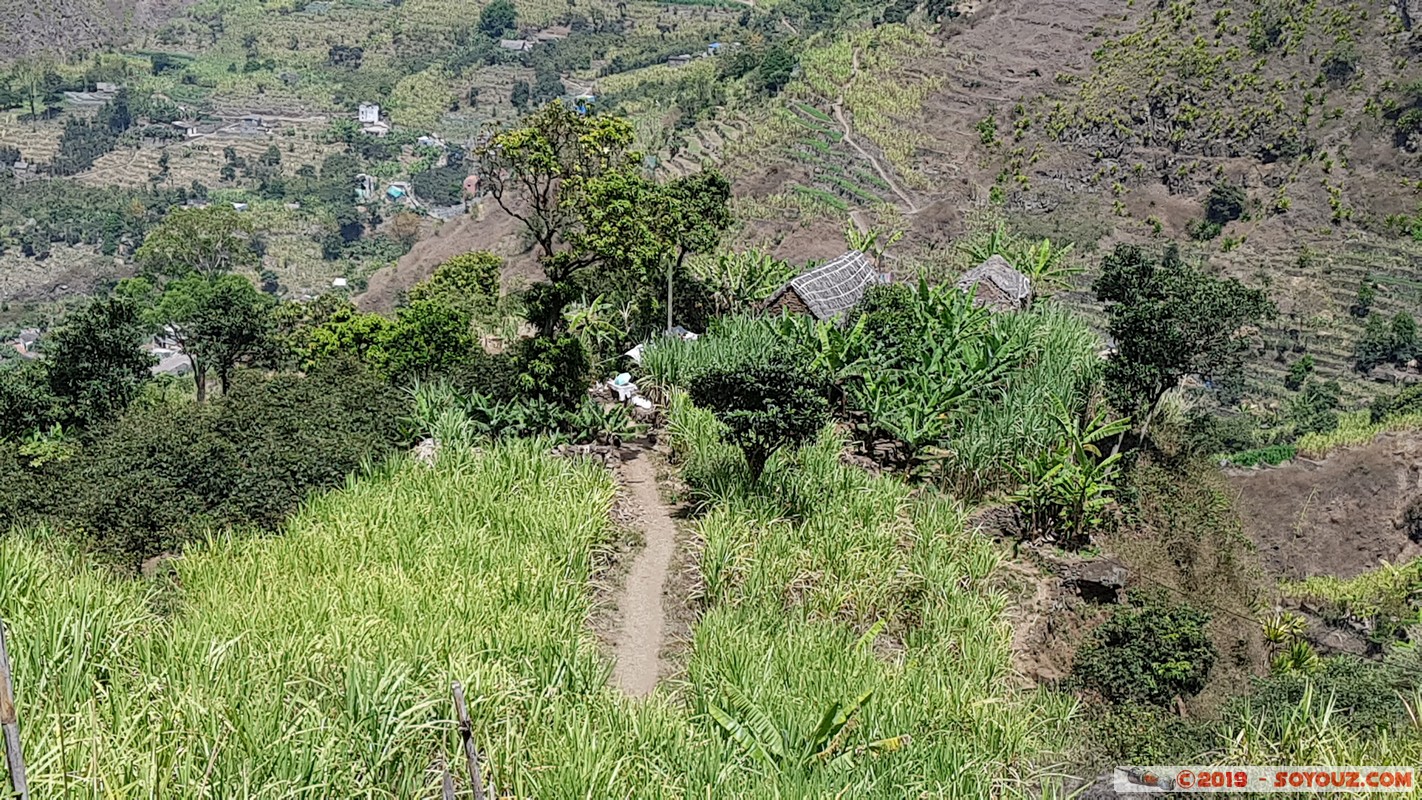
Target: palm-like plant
1048, 265
741, 280
1066, 488
749, 726
872, 242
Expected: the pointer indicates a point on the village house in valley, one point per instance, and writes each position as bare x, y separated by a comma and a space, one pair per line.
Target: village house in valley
828, 290
996, 285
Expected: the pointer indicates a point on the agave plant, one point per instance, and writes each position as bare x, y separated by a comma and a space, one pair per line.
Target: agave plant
749, 726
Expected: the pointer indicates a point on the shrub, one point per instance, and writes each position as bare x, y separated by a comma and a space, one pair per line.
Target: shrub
1224, 204
1365, 693
1298, 371
1407, 401
469, 282
1147, 652
553, 370
765, 406
1315, 410
161, 475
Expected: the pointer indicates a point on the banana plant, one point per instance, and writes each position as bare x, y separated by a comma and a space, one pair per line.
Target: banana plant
749, 726
1066, 488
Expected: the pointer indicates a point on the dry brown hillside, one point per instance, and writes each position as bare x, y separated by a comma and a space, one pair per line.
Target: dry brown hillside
66, 26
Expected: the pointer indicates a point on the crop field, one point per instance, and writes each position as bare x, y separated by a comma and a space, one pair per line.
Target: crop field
320, 661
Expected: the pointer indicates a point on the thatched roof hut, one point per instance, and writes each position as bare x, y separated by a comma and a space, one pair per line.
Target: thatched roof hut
995, 284
828, 290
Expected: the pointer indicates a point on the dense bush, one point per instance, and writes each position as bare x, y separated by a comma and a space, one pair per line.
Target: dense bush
1383, 342
554, 370
1365, 693
1147, 651
1225, 203
1315, 410
765, 406
161, 475
1407, 401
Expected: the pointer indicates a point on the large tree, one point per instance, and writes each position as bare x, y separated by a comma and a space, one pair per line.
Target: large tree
536, 173
209, 241
95, 360
645, 230
497, 17
1170, 320
219, 322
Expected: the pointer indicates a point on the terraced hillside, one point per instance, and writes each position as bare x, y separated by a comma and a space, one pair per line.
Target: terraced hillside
1097, 122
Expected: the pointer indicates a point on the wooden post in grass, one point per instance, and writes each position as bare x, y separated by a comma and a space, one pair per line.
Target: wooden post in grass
446, 781
10, 722
466, 733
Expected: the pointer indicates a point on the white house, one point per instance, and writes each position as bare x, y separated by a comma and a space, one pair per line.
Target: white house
369, 113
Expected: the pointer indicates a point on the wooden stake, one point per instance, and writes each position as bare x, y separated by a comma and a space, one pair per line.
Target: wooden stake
10, 722
447, 785
466, 733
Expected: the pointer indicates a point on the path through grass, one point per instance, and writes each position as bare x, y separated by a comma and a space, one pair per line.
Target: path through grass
318, 663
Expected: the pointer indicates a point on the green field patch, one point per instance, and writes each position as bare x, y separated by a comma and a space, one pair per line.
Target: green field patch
806, 108
822, 196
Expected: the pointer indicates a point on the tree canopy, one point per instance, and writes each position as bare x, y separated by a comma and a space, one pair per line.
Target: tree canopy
1169, 320
537, 171
209, 241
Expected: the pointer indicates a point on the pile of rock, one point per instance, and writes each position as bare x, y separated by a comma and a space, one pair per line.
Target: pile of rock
609, 455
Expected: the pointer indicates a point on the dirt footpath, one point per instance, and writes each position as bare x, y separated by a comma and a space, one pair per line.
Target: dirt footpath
643, 632
1340, 516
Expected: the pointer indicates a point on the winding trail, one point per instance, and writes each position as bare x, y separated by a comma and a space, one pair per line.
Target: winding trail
638, 644
848, 130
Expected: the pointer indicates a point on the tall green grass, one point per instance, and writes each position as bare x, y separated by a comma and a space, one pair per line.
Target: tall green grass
318, 663
1014, 420
1354, 428
827, 581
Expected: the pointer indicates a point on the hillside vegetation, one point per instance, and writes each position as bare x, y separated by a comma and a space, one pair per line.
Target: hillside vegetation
321, 660
305, 415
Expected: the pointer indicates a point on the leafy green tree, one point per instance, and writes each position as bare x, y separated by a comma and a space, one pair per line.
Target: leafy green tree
220, 322
537, 172
1315, 409
646, 230
428, 338
1148, 651
1298, 372
497, 17
776, 68
209, 241
1170, 320
553, 369
163, 475
765, 406
95, 363
520, 94
1225, 203
1367, 294
335, 334
26, 403
1382, 342
469, 281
